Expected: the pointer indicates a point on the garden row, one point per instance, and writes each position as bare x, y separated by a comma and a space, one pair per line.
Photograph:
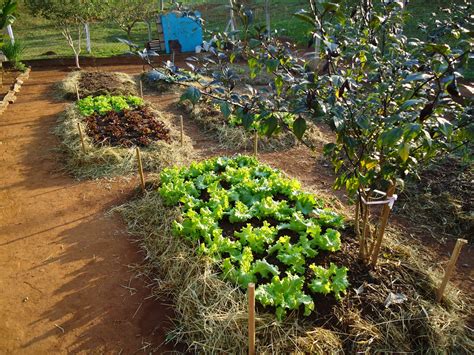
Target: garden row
212, 227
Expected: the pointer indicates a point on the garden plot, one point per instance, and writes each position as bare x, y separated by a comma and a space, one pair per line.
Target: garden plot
95, 83
231, 133
111, 128
212, 228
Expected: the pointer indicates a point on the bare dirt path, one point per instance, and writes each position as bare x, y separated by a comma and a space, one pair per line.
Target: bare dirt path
65, 281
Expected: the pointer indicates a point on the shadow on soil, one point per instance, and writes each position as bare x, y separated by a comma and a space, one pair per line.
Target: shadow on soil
116, 301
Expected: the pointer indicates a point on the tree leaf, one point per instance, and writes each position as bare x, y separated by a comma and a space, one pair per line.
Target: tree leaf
404, 151
299, 127
279, 84
389, 138
410, 103
417, 77
192, 94
269, 125
225, 109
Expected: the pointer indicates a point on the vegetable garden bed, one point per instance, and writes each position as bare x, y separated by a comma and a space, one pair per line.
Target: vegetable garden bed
210, 229
97, 83
112, 127
232, 135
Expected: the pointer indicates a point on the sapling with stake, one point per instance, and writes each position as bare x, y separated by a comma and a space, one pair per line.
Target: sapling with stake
392, 102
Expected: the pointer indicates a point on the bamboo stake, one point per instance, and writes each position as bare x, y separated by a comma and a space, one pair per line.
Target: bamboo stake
182, 129
140, 170
77, 93
383, 225
450, 268
251, 296
255, 143
141, 88
82, 138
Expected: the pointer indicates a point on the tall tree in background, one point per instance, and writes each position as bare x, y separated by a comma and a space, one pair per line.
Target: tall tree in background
127, 13
69, 16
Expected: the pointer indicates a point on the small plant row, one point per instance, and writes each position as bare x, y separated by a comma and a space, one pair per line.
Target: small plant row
106, 103
121, 121
258, 226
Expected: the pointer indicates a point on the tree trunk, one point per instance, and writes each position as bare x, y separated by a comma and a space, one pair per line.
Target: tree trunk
129, 37
76, 57
267, 17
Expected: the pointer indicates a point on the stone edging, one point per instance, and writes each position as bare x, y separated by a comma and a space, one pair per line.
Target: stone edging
10, 97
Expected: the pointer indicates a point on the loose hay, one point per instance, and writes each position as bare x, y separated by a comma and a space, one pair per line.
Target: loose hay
96, 83
211, 314
102, 161
238, 138
442, 200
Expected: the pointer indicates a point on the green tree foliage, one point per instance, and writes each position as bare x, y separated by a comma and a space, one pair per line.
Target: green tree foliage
69, 16
127, 13
392, 101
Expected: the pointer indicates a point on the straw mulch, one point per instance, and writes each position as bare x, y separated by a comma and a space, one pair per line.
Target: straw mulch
104, 160
95, 83
237, 138
211, 314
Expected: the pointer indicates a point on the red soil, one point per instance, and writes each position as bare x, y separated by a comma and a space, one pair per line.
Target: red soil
65, 280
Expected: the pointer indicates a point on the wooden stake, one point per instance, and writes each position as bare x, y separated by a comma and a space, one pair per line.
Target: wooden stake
251, 296
383, 224
82, 137
141, 88
450, 268
140, 170
255, 143
182, 129
77, 93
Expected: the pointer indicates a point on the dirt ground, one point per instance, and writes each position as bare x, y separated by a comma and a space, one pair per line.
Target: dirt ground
65, 277
65, 281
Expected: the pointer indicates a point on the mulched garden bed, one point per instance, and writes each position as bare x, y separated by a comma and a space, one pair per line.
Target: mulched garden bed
441, 200
389, 308
95, 83
127, 128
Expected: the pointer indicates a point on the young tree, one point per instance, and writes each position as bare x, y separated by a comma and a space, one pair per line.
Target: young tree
69, 16
127, 13
392, 101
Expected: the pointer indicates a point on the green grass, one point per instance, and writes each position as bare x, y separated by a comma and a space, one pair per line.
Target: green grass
40, 36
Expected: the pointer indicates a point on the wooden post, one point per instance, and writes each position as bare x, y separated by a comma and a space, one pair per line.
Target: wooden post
255, 143
141, 88
82, 137
140, 170
450, 268
77, 93
182, 129
251, 296
383, 223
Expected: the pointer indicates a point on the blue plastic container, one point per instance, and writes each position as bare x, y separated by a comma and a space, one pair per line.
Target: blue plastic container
182, 27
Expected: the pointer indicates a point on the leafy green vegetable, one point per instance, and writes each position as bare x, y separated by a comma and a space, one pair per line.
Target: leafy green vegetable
333, 280
106, 103
241, 214
285, 293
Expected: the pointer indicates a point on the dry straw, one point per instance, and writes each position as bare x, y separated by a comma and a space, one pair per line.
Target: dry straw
100, 161
238, 139
212, 315
113, 84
